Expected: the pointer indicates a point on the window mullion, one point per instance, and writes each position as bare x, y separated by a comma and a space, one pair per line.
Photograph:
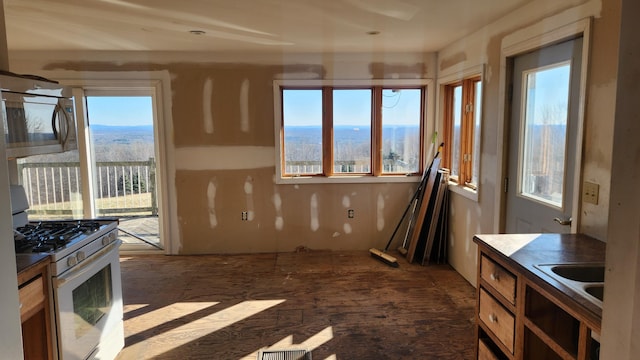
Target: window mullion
327, 131
376, 131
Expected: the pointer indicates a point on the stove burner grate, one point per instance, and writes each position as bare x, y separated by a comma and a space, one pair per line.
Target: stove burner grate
49, 236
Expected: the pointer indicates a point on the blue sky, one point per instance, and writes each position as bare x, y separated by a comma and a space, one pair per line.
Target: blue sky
351, 107
549, 91
120, 111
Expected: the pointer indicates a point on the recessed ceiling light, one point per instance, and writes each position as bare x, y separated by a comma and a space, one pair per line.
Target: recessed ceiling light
373, 32
196, 32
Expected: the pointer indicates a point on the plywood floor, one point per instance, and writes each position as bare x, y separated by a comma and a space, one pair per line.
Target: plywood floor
341, 305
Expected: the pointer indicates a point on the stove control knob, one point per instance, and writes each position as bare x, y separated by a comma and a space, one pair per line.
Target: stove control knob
112, 236
106, 240
80, 256
72, 261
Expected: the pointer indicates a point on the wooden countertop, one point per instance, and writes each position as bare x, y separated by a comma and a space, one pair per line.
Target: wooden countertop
26, 261
525, 251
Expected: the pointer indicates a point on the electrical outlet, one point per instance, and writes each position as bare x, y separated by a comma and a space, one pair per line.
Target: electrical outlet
590, 192
245, 216
350, 213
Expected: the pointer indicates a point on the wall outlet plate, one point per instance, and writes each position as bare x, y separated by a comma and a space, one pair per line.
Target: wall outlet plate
590, 192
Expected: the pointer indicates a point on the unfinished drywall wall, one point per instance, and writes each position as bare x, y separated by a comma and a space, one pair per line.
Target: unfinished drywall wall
621, 313
469, 217
224, 157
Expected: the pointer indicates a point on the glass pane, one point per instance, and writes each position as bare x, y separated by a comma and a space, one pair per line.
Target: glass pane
123, 144
401, 117
544, 134
122, 136
302, 123
92, 300
37, 128
477, 112
352, 131
456, 145
53, 185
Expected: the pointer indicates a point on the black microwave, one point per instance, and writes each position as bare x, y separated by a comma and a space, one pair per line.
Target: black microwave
37, 116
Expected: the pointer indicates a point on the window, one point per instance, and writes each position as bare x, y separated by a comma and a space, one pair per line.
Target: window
544, 133
115, 171
462, 112
349, 130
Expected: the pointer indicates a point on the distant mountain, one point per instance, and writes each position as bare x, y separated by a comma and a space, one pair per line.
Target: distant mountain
107, 134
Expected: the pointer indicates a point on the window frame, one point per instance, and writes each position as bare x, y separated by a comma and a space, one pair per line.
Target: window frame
468, 80
156, 84
328, 175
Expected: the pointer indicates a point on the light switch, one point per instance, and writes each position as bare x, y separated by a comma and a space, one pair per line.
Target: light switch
590, 192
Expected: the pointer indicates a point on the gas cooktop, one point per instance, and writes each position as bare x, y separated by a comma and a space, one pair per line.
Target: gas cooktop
52, 236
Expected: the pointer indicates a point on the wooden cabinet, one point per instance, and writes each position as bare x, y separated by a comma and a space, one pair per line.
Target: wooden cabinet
521, 316
496, 315
35, 312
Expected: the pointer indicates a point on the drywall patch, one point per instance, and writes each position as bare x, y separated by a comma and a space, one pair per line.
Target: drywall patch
244, 106
346, 201
248, 190
224, 157
277, 204
315, 221
207, 113
347, 228
455, 59
211, 202
391, 71
276, 199
380, 213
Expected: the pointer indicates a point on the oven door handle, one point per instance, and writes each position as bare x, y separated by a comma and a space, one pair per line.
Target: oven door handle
83, 267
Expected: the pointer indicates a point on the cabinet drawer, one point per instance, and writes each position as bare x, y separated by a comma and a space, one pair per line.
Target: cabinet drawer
499, 278
484, 353
31, 297
500, 321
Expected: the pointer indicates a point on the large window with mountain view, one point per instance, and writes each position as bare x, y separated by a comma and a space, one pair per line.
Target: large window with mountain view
113, 173
338, 131
462, 113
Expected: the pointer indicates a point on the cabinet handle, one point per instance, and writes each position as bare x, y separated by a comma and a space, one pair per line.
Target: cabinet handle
494, 276
493, 318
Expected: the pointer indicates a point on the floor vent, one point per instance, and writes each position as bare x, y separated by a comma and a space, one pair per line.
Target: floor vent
284, 355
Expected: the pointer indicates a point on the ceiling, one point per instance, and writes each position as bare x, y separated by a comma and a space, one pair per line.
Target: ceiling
297, 26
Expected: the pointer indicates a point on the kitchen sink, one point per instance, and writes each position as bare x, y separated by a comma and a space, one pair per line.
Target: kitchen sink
586, 279
580, 272
596, 291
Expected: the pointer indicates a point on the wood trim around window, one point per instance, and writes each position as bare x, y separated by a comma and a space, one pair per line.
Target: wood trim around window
467, 128
327, 131
328, 134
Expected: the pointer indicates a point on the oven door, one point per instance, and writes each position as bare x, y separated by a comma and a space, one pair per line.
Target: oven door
88, 300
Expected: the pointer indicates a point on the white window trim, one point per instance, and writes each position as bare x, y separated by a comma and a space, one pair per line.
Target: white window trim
519, 42
427, 128
157, 83
454, 77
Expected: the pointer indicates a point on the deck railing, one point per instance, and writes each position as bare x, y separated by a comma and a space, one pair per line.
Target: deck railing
122, 188
345, 166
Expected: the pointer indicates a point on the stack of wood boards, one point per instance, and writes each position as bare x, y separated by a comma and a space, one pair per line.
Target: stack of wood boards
428, 235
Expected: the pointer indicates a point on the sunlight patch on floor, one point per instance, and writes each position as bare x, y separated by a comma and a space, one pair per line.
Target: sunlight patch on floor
309, 344
163, 315
198, 328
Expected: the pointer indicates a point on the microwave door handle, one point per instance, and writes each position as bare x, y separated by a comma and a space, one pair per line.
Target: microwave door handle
53, 122
59, 110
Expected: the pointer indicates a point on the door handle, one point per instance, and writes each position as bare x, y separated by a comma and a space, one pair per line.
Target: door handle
564, 222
